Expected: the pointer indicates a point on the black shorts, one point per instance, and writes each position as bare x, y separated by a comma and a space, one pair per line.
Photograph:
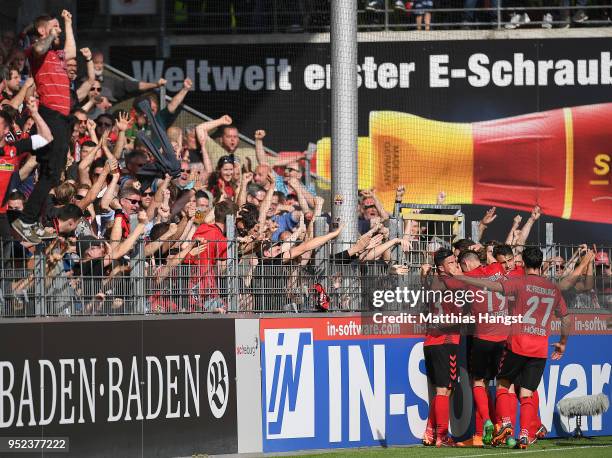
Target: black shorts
441, 364
484, 358
527, 369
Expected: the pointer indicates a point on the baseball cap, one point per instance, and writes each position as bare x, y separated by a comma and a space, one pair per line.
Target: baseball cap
602, 259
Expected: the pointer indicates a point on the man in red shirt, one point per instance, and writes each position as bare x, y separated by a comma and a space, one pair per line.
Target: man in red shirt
535, 299
488, 341
48, 65
204, 290
440, 350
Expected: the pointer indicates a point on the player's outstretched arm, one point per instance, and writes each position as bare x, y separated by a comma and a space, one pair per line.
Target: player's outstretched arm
482, 283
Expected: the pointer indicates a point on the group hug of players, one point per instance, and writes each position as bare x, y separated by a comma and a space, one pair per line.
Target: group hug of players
513, 355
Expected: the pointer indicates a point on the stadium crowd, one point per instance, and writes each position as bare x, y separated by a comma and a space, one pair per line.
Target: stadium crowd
84, 186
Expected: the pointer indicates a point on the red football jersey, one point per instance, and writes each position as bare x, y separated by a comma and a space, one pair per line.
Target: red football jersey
493, 305
450, 334
536, 299
51, 78
518, 271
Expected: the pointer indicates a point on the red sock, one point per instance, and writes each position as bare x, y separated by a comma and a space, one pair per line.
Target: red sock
430, 429
441, 407
482, 402
491, 400
536, 419
528, 413
503, 410
514, 406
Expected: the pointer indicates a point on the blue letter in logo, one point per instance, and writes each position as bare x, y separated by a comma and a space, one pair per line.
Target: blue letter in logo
290, 382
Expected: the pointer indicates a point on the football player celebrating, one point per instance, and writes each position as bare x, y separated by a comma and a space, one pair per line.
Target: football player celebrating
536, 299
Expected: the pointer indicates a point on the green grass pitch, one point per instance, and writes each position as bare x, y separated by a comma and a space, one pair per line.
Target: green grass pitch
584, 448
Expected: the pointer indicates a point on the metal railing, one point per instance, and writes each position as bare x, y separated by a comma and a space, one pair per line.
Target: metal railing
65, 281
313, 16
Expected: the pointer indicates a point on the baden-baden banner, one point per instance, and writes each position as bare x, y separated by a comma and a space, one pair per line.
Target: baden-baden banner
130, 387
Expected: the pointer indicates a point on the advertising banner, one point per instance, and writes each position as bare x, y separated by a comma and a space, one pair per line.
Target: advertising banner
132, 387
335, 382
509, 123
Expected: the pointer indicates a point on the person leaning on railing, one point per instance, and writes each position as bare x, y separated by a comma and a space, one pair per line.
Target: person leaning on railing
210, 263
167, 255
578, 285
603, 279
370, 210
101, 261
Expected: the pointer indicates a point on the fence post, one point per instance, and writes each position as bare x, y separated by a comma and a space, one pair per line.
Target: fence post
499, 20
162, 97
138, 274
386, 6
40, 305
232, 263
550, 249
344, 132
310, 152
320, 228
475, 231
549, 234
462, 223
164, 48
321, 256
395, 232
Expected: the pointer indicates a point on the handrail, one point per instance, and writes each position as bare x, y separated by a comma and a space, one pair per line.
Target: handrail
276, 19
39, 289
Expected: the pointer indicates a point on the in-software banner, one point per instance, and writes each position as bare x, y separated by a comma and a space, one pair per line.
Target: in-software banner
341, 382
284, 89
153, 387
